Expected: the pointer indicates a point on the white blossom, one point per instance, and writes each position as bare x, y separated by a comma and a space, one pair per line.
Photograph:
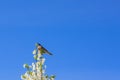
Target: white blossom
43, 60
34, 51
33, 66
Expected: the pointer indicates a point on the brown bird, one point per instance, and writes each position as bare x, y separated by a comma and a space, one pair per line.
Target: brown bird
42, 49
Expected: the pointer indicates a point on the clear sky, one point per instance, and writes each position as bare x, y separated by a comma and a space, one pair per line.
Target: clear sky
83, 35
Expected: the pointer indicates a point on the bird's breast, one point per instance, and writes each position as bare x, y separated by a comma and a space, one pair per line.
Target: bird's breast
39, 47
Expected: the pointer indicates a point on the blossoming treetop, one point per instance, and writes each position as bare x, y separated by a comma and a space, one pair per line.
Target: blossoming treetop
36, 71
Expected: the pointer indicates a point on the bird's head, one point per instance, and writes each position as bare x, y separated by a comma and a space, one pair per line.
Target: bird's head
37, 44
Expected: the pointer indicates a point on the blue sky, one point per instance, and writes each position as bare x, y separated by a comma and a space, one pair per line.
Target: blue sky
84, 37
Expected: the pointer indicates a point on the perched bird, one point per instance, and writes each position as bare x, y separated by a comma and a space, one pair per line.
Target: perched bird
42, 49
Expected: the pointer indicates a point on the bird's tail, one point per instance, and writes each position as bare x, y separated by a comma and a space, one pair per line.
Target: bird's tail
49, 53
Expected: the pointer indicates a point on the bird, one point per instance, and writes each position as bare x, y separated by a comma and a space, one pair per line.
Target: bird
42, 49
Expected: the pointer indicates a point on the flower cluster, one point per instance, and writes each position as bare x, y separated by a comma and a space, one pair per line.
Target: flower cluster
36, 71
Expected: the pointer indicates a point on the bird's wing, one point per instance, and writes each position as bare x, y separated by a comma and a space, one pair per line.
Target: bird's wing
46, 51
